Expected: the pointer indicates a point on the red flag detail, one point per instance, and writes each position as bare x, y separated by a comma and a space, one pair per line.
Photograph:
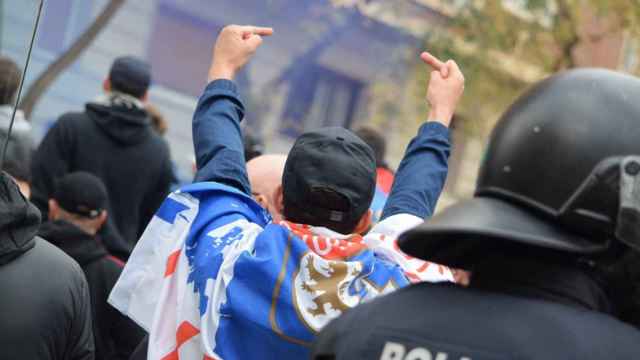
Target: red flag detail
185, 332
172, 262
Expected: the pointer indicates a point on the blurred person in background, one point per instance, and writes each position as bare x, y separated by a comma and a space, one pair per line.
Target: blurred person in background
158, 121
20, 147
45, 302
161, 126
212, 273
114, 140
384, 175
77, 211
377, 142
552, 261
253, 144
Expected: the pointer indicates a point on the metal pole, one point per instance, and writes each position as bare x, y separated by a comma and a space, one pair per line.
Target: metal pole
24, 73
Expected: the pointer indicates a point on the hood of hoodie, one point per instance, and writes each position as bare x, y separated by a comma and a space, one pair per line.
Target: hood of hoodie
21, 126
19, 221
82, 247
127, 125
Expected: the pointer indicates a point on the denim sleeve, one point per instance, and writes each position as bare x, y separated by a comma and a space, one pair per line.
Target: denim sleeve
422, 173
217, 137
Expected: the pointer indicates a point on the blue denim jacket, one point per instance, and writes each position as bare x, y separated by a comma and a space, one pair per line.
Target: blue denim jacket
220, 154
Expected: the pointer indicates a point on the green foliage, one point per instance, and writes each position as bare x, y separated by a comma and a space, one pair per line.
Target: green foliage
541, 34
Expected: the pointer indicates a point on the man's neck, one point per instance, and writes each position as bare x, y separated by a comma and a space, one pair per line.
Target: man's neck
566, 284
89, 230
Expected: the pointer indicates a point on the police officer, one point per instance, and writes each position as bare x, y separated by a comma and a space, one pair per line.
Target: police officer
551, 239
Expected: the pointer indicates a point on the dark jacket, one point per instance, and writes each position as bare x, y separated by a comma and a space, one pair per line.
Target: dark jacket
533, 320
118, 145
45, 307
116, 336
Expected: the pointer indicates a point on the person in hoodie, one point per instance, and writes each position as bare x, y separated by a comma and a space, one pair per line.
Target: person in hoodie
46, 309
20, 147
114, 140
384, 175
214, 277
77, 211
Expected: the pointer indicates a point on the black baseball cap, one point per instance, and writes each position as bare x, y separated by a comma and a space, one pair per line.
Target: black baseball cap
329, 179
82, 194
130, 75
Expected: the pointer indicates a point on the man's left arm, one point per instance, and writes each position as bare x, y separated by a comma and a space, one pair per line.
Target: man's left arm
421, 176
216, 124
422, 173
217, 137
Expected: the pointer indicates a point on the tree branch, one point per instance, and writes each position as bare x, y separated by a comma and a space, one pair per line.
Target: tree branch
56, 68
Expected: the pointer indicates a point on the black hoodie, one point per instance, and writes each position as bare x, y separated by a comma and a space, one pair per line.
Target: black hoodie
116, 336
118, 145
45, 309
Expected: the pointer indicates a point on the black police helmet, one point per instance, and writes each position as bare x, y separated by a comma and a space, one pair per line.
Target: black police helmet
561, 173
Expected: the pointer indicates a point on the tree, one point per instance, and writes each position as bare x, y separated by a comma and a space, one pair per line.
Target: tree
544, 32
496, 40
68, 57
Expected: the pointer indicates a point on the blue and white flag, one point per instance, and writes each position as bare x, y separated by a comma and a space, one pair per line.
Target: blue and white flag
213, 278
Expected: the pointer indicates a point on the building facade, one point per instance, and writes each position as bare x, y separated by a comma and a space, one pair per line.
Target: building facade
316, 71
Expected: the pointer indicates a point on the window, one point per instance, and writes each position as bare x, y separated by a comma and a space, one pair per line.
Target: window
320, 97
180, 49
62, 21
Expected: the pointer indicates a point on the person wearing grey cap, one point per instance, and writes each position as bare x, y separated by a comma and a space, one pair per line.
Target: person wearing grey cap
114, 140
77, 211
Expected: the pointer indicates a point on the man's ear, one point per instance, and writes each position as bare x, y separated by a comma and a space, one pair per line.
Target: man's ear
106, 85
102, 219
279, 199
54, 210
145, 97
364, 224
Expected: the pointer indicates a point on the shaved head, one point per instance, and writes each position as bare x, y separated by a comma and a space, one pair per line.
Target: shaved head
265, 175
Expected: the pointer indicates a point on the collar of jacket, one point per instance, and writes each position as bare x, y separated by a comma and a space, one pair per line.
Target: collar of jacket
84, 248
573, 284
118, 99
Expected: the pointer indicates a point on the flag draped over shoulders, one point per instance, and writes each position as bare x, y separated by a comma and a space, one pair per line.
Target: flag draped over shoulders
213, 278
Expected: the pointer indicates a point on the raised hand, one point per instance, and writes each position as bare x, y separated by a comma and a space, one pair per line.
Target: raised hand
445, 88
233, 49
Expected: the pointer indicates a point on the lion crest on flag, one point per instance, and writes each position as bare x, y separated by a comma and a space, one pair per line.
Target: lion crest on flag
324, 289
